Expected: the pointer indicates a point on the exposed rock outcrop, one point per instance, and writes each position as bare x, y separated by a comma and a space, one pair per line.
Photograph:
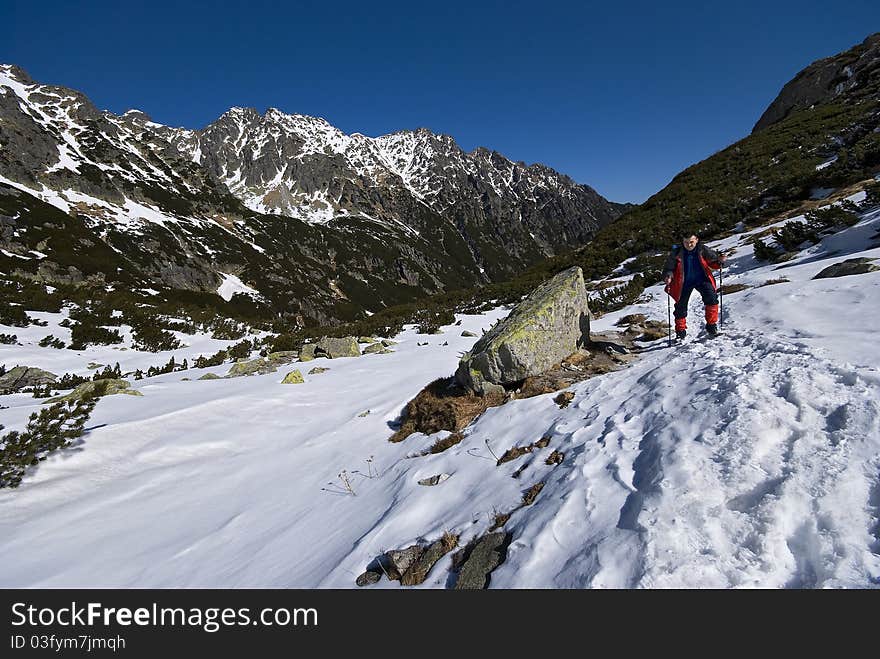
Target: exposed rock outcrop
25, 376
411, 565
105, 387
824, 80
294, 377
551, 323
487, 554
335, 347
857, 266
261, 365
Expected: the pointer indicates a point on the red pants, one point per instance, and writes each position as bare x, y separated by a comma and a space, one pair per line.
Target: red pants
710, 299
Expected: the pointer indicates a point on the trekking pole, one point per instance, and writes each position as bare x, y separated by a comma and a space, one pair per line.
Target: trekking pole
668, 320
720, 297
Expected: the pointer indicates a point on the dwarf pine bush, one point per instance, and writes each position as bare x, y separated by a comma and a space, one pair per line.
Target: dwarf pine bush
51, 429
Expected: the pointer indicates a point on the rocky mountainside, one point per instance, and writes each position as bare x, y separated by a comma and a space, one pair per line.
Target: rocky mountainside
306, 220
846, 74
818, 140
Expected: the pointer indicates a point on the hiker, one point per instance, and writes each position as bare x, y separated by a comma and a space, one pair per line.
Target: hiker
688, 268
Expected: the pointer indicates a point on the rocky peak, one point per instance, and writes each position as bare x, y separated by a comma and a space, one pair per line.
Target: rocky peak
15, 73
138, 115
237, 113
843, 75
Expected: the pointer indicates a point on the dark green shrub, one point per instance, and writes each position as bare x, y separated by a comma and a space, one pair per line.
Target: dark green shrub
69, 381
214, 360
170, 367
764, 251
872, 195
612, 299
108, 373
34, 297
153, 339
429, 320
84, 334
832, 217
51, 429
13, 315
180, 326
41, 392
51, 342
791, 235
240, 350
227, 329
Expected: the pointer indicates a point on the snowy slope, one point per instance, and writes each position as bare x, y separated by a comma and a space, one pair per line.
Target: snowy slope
750, 460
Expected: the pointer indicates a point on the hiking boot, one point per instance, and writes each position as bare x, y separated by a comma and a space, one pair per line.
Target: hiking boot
680, 334
712, 330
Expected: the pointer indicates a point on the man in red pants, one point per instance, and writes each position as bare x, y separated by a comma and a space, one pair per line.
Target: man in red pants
688, 268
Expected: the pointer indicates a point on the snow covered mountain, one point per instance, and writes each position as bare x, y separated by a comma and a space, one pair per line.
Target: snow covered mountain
285, 202
303, 167
749, 461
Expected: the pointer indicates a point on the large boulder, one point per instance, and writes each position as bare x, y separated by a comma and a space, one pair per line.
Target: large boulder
334, 347
98, 388
859, 266
25, 376
307, 352
258, 366
261, 365
282, 356
294, 377
547, 326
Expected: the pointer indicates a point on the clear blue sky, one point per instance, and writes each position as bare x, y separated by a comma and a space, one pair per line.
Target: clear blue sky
618, 95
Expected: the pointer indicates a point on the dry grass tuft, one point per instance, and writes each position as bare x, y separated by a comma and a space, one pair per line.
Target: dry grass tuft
447, 442
442, 405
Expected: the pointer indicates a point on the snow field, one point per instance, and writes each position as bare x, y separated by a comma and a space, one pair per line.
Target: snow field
752, 460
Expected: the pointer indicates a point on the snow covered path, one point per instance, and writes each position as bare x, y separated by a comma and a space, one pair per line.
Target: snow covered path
735, 462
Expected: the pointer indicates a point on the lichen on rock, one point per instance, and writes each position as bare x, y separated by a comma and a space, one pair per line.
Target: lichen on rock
98, 388
294, 377
551, 323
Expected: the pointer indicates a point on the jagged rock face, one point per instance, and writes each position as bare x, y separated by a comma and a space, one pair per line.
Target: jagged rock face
316, 224
305, 168
841, 75
55, 137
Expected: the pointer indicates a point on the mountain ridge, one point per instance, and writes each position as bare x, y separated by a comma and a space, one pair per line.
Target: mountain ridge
324, 224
